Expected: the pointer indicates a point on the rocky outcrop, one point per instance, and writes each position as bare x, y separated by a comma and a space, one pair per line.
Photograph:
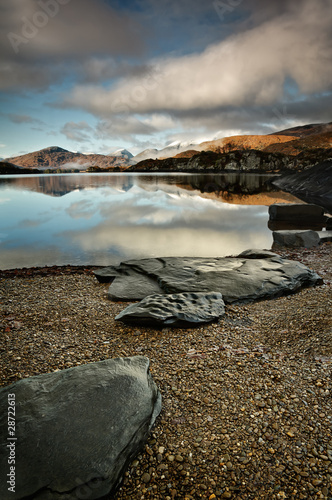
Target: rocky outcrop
179, 309
209, 161
252, 275
77, 429
312, 185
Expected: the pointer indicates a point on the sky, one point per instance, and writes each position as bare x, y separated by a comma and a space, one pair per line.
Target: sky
99, 75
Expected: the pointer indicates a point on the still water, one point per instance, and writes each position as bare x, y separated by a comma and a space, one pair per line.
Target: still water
101, 219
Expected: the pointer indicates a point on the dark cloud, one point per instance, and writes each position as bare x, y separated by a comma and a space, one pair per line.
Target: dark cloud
42, 41
121, 127
16, 118
251, 68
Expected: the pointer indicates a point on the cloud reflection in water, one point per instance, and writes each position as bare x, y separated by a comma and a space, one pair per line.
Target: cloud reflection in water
106, 219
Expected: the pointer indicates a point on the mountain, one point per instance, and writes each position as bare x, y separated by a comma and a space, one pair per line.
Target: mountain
123, 153
144, 155
171, 150
53, 158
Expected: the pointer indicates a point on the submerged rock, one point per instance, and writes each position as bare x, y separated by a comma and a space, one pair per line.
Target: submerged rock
250, 276
78, 429
179, 309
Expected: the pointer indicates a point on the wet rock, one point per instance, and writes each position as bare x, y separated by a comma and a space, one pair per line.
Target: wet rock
176, 309
78, 429
250, 276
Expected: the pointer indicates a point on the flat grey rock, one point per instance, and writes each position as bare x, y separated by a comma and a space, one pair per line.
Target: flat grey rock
296, 238
78, 429
250, 276
325, 236
179, 309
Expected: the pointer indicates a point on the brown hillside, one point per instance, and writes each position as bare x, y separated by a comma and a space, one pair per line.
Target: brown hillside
257, 142
310, 142
187, 154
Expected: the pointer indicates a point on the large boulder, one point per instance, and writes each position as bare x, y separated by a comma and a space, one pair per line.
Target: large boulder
179, 309
77, 429
250, 276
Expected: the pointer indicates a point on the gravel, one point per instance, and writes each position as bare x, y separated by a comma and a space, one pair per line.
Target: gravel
247, 411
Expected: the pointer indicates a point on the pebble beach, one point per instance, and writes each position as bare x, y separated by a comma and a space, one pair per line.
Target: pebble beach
247, 407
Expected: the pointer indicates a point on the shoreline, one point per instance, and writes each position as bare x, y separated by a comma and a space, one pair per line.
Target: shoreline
247, 411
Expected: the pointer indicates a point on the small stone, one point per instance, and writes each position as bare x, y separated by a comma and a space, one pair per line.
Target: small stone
146, 478
170, 458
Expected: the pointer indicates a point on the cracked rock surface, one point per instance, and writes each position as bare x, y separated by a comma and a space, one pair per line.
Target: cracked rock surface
78, 429
178, 309
252, 275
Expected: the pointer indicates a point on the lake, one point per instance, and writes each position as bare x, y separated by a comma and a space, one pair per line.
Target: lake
102, 219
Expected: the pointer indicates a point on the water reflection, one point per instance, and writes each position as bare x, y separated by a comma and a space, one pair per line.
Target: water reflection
103, 219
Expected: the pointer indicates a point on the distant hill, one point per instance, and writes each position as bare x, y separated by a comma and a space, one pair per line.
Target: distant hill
8, 168
169, 151
305, 130
53, 158
309, 142
257, 142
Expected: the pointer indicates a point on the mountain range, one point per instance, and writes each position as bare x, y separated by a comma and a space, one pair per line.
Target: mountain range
307, 139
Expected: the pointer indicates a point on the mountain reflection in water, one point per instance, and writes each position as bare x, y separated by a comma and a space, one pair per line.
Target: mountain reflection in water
101, 219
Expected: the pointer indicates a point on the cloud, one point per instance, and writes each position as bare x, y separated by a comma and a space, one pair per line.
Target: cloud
120, 127
39, 38
77, 132
249, 68
18, 119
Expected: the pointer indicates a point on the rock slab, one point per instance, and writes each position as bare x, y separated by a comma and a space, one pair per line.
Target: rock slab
250, 276
77, 429
296, 238
179, 309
